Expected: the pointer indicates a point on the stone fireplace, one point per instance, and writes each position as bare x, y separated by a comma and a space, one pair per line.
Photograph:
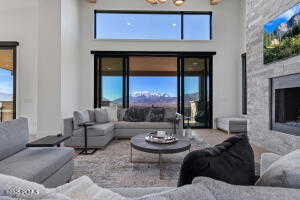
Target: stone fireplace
285, 104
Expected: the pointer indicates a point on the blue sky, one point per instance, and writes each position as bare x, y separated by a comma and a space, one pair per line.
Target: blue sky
154, 85
112, 85
6, 84
285, 17
152, 26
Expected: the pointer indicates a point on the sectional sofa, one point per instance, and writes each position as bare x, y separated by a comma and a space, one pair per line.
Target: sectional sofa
118, 123
49, 166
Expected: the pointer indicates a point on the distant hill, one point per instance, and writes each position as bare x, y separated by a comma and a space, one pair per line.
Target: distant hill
6, 97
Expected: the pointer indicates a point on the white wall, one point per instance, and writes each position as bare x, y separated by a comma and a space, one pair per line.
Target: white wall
70, 57
226, 42
49, 68
19, 22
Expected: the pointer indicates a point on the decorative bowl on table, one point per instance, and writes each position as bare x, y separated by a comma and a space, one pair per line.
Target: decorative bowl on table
155, 138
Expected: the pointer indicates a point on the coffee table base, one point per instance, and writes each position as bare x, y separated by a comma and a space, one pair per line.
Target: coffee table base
87, 151
159, 155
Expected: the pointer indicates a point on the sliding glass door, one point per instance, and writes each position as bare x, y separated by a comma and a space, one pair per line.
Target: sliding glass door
196, 79
110, 81
182, 83
7, 81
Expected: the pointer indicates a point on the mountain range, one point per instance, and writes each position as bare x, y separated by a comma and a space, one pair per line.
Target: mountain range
155, 99
6, 97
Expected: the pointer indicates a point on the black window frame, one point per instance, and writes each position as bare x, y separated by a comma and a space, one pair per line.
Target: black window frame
180, 66
12, 45
182, 13
244, 84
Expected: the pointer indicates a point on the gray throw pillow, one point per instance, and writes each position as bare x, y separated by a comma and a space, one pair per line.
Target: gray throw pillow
101, 115
136, 114
92, 115
170, 114
80, 117
285, 172
121, 113
157, 114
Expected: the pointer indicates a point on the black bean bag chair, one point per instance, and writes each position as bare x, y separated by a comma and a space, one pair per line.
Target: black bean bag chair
231, 161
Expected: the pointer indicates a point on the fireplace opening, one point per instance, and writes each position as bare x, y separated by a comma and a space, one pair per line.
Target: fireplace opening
287, 106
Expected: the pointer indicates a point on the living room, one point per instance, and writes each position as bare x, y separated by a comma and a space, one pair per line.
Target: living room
106, 80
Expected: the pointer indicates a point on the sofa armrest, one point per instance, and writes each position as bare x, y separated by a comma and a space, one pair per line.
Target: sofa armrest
266, 160
68, 127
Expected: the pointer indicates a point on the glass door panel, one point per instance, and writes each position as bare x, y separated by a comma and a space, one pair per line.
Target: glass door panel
7, 94
195, 92
153, 81
112, 81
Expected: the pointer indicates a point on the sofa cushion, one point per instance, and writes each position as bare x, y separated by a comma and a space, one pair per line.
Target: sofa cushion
112, 113
101, 129
13, 137
135, 192
101, 115
80, 117
170, 114
189, 192
143, 125
285, 172
224, 191
121, 113
136, 114
231, 161
36, 164
156, 114
92, 115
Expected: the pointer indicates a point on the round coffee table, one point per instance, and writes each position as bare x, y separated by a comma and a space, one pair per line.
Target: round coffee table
139, 143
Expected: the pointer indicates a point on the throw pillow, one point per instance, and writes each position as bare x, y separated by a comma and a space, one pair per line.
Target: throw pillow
101, 115
285, 172
84, 188
112, 112
170, 114
80, 117
121, 113
136, 114
92, 115
157, 114
231, 161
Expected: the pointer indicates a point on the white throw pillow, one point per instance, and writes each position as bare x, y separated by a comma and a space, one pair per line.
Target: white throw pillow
84, 188
112, 112
101, 115
285, 172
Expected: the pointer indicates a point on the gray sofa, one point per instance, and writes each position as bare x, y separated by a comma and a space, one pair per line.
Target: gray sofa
48, 166
100, 134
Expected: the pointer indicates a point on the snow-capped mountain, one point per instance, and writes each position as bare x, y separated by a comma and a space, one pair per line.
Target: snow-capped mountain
148, 94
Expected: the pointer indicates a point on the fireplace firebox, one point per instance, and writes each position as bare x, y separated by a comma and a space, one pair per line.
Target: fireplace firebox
285, 104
